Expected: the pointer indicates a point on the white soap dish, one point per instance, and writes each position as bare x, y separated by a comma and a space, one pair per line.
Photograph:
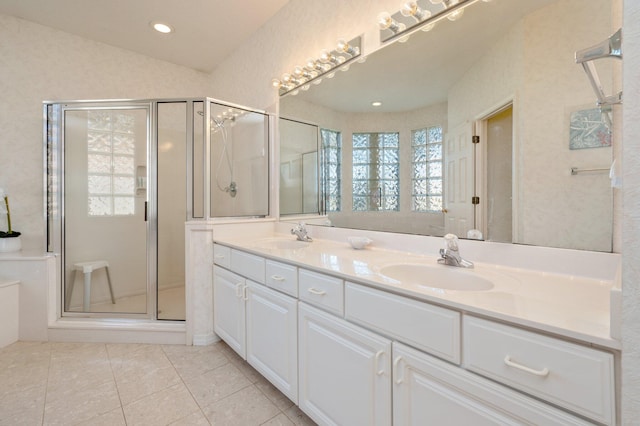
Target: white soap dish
359, 243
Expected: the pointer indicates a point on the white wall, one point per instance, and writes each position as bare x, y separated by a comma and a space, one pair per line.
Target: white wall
40, 63
529, 65
631, 220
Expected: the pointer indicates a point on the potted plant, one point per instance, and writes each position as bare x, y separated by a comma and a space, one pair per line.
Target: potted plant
9, 240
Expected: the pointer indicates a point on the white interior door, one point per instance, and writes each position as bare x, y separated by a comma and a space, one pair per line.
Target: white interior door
459, 179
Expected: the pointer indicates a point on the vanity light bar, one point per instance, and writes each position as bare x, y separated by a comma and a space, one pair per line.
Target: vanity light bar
339, 58
418, 18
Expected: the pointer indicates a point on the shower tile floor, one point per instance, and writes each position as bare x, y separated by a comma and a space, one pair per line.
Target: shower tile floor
171, 304
136, 384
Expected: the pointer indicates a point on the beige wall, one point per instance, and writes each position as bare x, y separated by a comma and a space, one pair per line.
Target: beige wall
631, 216
40, 63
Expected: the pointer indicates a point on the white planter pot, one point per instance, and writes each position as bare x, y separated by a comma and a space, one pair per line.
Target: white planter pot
10, 244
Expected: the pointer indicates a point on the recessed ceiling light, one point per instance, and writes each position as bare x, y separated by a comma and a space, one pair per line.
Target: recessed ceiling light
161, 27
376, 103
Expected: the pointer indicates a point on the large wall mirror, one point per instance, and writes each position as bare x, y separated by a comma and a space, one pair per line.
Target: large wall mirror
505, 71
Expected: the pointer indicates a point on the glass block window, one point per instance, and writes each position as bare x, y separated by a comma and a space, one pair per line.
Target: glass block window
426, 184
110, 163
376, 172
331, 168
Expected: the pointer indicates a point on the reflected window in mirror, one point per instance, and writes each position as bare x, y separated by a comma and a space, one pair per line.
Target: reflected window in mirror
331, 169
426, 147
376, 172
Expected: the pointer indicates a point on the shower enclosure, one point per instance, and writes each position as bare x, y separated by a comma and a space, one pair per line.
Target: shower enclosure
124, 176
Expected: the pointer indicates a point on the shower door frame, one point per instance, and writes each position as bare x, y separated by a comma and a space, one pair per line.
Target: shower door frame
54, 156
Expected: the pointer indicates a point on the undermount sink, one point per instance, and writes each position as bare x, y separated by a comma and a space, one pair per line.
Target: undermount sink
440, 277
281, 244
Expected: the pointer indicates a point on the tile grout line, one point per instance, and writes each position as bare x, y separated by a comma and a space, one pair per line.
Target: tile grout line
186, 386
115, 382
46, 386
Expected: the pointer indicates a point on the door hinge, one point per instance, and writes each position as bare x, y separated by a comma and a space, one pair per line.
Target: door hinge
475, 139
475, 200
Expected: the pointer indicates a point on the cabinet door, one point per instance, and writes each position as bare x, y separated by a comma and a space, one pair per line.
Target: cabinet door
344, 371
272, 338
427, 391
228, 309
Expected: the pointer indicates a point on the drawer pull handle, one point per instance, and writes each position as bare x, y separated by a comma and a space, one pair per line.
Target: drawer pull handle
219, 256
245, 292
376, 363
277, 277
542, 373
239, 290
396, 372
317, 292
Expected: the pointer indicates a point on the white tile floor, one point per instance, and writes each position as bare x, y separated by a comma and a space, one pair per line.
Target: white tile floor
134, 384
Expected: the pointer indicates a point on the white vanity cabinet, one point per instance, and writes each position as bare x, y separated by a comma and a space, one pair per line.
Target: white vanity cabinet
272, 343
344, 371
578, 378
260, 324
428, 391
229, 308
430, 328
351, 354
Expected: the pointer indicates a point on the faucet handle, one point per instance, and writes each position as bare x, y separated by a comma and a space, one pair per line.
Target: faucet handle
451, 242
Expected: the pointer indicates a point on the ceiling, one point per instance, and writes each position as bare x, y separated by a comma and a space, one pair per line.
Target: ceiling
206, 31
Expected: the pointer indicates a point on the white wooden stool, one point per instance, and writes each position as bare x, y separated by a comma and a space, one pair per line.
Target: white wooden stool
87, 268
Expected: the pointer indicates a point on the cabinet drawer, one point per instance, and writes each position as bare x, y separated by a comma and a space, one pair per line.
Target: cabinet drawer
248, 265
322, 291
282, 277
430, 328
222, 255
569, 375
449, 395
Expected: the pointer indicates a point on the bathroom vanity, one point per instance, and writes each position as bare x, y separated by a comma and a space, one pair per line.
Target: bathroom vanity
389, 337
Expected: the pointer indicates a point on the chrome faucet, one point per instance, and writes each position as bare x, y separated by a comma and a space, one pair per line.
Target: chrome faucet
450, 254
300, 231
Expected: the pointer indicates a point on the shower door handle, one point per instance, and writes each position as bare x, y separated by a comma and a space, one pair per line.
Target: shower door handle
145, 210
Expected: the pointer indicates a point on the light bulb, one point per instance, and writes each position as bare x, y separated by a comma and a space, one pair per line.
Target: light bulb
327, 57
412, 9
385, 20
298, 71
345, 47
401, 28
286, 78
276, 83
454, 16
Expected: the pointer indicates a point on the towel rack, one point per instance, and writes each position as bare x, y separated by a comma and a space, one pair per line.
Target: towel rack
576, 170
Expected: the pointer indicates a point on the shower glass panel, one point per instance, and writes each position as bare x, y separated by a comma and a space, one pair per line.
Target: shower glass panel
105, 205
239, 162
172, 208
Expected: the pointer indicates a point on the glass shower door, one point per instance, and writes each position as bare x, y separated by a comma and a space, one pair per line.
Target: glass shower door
105, 209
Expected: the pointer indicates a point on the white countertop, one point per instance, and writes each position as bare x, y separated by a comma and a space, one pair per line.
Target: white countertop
568, 306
